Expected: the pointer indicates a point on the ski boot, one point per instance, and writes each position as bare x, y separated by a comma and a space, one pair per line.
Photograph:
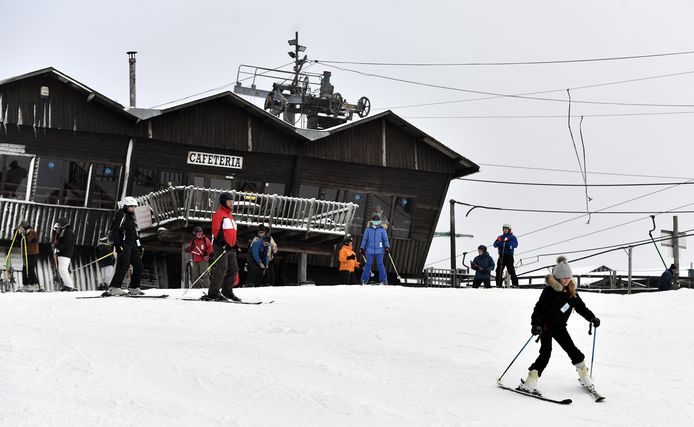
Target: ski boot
135, 291
114, 292
530, 384
584, 375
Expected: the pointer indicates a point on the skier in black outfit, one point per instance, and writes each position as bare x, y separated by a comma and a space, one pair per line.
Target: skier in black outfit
483, 264
126, 241
549, 319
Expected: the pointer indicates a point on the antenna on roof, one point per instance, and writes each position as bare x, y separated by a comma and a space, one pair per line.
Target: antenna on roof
292, 93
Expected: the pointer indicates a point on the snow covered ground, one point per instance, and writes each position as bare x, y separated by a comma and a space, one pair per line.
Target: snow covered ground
335, 356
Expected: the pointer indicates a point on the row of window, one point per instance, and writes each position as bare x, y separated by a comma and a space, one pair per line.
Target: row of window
97, 185
60, 181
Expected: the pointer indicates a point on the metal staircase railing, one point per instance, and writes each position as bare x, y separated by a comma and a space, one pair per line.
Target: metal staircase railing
195, 204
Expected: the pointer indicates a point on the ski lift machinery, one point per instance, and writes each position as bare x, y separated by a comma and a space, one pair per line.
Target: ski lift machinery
296, 93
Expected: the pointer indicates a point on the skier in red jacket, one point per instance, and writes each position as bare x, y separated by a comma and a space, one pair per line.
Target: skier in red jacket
225, 267
201, 249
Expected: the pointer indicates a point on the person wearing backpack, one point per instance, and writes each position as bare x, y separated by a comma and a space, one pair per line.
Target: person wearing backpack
201, 249
126, 241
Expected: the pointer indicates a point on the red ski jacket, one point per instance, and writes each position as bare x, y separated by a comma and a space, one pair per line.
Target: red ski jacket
200, 248
223, 227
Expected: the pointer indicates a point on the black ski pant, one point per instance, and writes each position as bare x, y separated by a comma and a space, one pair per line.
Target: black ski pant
506, 261
223, 272
562, 337
255, 273
269, 275
476, 282
347, 277
131, 255
32, 264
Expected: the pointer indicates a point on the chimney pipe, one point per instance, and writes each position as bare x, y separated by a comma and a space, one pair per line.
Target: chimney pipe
131, 60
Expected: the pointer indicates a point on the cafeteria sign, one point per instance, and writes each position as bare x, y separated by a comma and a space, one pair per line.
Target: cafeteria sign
218, 160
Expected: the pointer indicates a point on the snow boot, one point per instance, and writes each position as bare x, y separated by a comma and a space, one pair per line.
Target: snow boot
584, 374
530, 384
114, 291
135, 291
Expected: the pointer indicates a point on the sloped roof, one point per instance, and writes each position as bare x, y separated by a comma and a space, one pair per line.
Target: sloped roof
58, 75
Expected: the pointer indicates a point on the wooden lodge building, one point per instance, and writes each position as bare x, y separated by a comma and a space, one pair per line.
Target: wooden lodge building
67, 150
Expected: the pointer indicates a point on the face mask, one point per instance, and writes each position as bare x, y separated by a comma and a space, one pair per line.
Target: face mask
376, 223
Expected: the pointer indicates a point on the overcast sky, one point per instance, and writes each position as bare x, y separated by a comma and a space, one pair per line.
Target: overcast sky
189, 47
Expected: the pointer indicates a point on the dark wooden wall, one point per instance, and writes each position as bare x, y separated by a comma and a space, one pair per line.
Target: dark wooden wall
69, 108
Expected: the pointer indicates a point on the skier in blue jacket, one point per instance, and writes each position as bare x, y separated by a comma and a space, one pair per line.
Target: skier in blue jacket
506, 243
375, 244
483, 264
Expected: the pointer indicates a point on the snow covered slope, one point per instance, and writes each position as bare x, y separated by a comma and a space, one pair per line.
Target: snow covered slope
335, 356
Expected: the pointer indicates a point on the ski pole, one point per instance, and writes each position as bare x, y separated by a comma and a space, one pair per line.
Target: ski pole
26, 257
592, 356
93, 262
204, 272
396, 270
9, 251
514, 359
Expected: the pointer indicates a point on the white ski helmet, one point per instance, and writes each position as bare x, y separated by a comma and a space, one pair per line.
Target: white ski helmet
506, 226
129, 201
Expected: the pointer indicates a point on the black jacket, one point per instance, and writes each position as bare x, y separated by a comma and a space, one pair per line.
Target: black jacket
102, 250
555, 305
483, 266
125, 229
66, 242
665, 282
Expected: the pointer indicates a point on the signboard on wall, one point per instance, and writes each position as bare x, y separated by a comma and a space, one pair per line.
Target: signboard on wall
217, 160
143, 217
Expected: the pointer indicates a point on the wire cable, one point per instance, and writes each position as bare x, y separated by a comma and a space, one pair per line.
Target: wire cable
548, 184
590, 86
593, 173
550, 211
555, 61
503, 95
553, 116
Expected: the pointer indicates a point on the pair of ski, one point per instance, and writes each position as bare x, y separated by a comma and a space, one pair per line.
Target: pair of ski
590, 390
229, 301
106, 295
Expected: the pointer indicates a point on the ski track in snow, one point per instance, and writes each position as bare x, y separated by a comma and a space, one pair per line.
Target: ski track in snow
335, 356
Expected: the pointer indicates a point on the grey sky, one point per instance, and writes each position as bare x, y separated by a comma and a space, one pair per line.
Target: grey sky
188, 47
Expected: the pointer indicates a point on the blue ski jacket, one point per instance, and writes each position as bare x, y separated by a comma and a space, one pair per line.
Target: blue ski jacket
506, 243
375, 240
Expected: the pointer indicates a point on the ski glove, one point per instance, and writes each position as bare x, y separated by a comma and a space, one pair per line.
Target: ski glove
228, 247
536, 330
352, 257
236, 248
595, 321
361, 251
387, 250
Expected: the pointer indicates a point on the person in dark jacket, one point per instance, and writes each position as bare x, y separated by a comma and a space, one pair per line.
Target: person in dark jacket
104, 253
64, 249
665, 282
552, 311
30, 243
506, 244
375, 243
126, 241
259, 260
483, 264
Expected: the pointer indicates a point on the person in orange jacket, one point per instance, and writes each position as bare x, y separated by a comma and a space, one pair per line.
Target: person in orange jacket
348, 262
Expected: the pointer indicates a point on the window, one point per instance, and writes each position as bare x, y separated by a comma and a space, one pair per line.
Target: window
13, 176
358, 219
379, 204
61, 182
143, 182
308, 191
104, 187
402, 218
274, 188
328, 194
171, 179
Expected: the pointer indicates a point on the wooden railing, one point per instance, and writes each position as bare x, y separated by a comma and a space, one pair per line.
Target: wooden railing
194, 204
